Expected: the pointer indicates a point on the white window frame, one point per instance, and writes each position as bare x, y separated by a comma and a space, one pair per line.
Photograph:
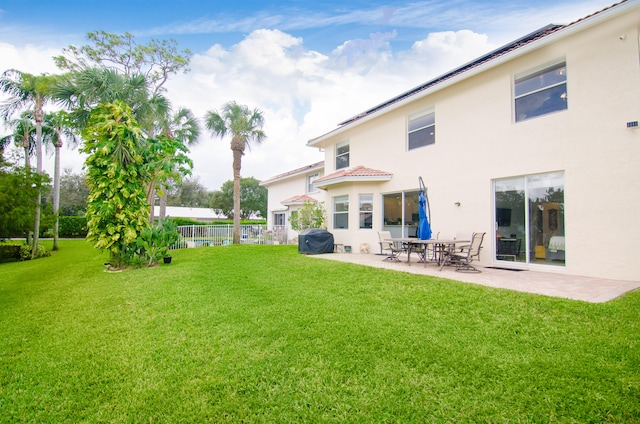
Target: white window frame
311, 188
343, 154
365, 203
339, 212
276, 215
414, 126
539, 72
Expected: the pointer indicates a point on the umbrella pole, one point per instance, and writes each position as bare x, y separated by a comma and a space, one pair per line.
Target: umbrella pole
423, 188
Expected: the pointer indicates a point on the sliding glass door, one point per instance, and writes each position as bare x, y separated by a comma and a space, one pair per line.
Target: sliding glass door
529, 219
400, 212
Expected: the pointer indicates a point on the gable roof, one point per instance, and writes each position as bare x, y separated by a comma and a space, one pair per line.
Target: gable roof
509, 51
357, 173
299, 171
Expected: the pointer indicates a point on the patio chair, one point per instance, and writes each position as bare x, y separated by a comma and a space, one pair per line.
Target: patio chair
463, 235
388, 247
462, 256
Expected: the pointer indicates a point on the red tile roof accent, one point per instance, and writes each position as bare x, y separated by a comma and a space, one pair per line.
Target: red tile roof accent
298, 199
356, 171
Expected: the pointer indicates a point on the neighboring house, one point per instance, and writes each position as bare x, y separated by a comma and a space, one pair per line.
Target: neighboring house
287, 194
197, 214
536, 143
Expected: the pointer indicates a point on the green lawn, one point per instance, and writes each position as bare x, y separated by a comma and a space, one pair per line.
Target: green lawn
264, 334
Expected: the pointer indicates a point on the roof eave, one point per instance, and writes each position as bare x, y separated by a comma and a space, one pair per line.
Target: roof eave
315, 167
296, 203
352, 179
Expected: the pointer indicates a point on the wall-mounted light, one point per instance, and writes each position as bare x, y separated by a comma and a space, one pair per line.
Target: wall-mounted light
632, 124
457, 203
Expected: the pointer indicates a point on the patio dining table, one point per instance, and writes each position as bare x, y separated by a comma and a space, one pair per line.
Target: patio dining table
440, 246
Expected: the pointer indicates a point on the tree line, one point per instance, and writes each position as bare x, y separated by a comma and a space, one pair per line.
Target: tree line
190, 193
113, 107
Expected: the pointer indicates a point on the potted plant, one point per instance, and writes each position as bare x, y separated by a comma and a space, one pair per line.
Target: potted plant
154, 242
169, 236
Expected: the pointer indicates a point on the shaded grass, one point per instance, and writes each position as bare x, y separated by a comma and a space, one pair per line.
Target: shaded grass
263, 334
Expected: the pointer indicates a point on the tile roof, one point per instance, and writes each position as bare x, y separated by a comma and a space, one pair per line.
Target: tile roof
359, 173
298, 199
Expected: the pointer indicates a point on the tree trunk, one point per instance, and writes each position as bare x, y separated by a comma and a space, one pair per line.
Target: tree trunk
163, 207
237, 165
27, 162
56, 193
39, 116
151, 199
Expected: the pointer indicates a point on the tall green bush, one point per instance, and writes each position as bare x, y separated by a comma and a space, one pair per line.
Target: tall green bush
311, 215
117, 207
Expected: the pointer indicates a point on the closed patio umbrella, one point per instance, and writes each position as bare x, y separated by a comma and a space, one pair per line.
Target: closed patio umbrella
424, 227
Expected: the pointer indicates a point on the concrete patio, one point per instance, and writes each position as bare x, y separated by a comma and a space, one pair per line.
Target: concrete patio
587, 289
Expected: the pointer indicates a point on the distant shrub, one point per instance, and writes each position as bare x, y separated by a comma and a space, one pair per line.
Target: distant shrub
187, 221
72, 226
9, 251
25, 252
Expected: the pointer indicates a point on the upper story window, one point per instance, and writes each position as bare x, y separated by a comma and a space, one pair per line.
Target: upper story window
422, 130
342, 155
311, 188
540, 92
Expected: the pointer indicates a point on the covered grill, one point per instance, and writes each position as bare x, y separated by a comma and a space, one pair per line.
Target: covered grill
313, 241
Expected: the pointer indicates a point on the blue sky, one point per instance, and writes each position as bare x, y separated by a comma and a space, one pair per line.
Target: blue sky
307, 64
323, 24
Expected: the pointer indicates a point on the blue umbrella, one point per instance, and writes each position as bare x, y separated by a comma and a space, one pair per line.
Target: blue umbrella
424, 228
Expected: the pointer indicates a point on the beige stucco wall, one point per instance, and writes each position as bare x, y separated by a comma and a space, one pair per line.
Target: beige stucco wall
477, 142
287, 188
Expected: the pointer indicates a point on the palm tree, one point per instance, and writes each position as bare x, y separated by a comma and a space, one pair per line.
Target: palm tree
184, 127
57, 127
82, 90
245, 127
23, 134
27, 90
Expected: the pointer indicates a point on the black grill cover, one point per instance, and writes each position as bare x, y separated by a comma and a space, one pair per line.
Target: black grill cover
313, 241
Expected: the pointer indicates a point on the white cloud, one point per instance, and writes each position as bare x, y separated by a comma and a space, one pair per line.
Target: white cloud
303, 93
29, 58
443, 51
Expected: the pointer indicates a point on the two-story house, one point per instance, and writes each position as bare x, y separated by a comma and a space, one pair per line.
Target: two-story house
288, 192
536, 143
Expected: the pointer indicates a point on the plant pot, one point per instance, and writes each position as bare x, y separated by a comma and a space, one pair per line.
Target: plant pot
167, 259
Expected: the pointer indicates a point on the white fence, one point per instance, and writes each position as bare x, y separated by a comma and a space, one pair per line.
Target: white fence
219, 235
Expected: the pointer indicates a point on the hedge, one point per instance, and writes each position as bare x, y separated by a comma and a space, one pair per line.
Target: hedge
21, 252
72, 226
9, 251
187, 221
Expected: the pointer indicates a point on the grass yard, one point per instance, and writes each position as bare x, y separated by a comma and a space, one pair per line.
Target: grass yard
262, 334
